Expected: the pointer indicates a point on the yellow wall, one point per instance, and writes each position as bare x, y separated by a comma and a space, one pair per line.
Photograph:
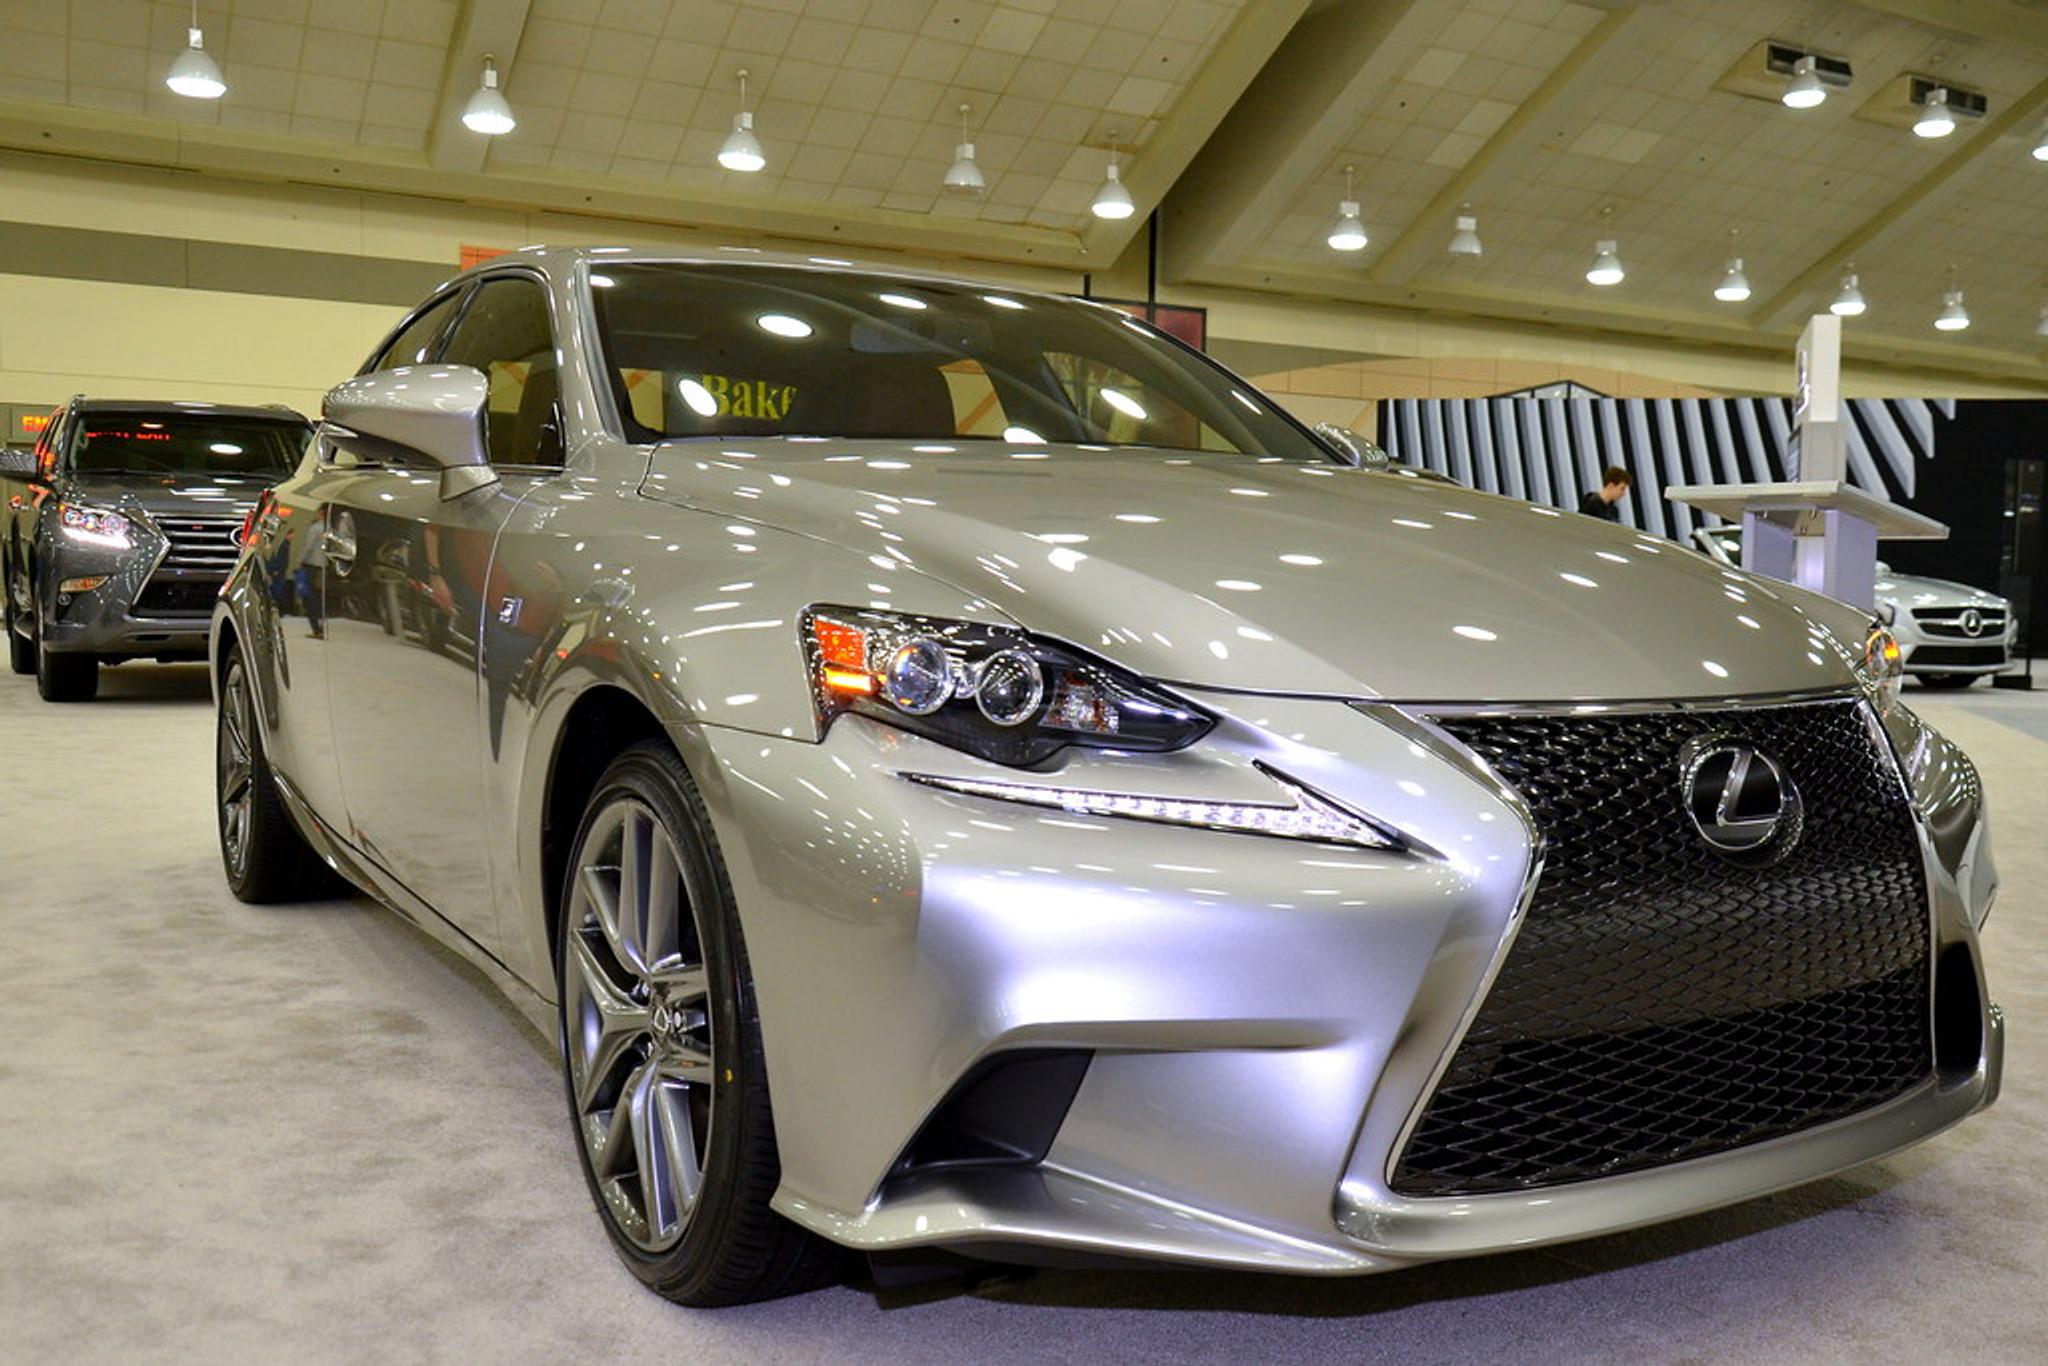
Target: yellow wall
61, 336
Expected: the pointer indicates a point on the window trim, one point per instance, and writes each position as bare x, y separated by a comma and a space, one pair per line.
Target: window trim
474, 286
453, 293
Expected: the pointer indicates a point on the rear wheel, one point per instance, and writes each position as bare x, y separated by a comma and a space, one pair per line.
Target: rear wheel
265, 857
62, 677
663, 1064
1947, 680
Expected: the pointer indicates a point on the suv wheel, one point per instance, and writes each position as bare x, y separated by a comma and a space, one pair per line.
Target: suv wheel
62, 677
21, 650
663, 1066
265, 857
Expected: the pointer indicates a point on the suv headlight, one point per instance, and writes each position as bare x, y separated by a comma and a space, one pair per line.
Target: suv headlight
95, 526
996, 692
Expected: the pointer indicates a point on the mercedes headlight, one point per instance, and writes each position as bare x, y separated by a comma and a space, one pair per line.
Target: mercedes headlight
996, 692
95, 526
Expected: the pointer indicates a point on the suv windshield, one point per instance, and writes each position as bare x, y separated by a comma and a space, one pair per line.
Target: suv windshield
767, 351
186, 443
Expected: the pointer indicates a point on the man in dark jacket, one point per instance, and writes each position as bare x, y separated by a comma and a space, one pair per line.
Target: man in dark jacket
1606, 501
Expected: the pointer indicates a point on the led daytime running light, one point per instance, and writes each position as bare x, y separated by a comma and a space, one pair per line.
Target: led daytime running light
1305, 816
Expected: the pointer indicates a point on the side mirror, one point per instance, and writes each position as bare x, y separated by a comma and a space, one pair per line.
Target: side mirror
1354, 449
18, 462
417, 414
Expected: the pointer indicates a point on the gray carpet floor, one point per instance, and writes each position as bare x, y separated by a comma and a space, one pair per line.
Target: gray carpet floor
230, 1133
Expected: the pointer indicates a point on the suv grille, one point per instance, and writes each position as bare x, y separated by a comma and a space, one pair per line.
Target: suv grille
202, 552
1661, 1003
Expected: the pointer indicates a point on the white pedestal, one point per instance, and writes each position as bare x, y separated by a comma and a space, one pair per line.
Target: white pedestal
1818, 533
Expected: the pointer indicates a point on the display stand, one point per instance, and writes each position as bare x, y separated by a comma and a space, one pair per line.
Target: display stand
1814, 530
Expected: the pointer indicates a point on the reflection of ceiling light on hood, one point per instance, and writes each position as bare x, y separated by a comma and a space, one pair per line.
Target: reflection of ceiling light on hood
2041, 144
782, 325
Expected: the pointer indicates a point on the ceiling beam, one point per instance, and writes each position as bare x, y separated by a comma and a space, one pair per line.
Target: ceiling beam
1292, 119
1994, 144
269, 158
1241, 54
1618, 318
1505, 155
483, 28
1998, 21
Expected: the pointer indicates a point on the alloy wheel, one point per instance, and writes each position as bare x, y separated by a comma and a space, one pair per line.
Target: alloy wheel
637, 1024
235, 761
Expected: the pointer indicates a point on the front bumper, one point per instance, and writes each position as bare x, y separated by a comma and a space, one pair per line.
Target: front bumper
1265, 1017
1925, 653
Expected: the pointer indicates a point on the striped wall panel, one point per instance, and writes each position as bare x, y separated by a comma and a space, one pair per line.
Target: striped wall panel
1553, 450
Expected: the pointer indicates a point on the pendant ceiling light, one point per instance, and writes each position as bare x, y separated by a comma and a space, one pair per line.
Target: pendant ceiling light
1734, 285
1849, 299
964, 175
1936, 119
1606, 268
1953, 316
1465, 241
195, 74
1804, 90
2041, 144
742, 150
1113, 200
487, 112
1347, 233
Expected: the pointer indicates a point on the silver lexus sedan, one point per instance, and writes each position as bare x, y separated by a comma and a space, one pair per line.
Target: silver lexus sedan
958, 771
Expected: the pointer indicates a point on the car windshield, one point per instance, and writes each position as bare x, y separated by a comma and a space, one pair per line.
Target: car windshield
698, 351
186, 443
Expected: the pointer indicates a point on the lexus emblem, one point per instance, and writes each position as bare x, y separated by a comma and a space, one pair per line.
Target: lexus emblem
1741, 802
1973, 622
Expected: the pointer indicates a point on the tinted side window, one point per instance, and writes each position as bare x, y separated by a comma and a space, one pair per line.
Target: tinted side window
413, 344
505, 332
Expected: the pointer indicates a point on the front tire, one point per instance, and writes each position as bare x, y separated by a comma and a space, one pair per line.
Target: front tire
62, 677
265, 857
662, 1059
21, 650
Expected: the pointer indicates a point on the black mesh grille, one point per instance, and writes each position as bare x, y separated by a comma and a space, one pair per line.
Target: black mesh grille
1661, 1002
1960, 656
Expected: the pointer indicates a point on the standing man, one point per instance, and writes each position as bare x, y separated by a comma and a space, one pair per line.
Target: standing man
1606, 501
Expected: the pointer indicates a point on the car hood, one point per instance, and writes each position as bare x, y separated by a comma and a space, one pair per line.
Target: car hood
171, 495
1911, 590
1228, 572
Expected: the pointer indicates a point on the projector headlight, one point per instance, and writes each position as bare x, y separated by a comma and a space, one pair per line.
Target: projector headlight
994, 691
95, 526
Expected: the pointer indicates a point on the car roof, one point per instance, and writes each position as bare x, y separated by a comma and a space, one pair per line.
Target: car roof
274, 412
560, 260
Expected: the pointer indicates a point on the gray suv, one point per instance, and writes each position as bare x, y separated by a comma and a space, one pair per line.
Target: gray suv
121, 526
